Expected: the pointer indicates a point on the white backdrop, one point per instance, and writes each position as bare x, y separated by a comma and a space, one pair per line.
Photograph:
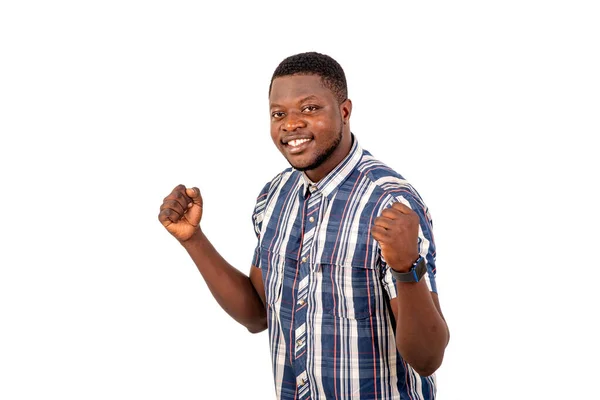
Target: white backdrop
490, 109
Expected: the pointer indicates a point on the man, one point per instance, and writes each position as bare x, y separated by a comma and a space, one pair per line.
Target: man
343, 274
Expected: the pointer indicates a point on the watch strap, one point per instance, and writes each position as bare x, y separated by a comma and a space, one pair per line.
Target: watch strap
414, 274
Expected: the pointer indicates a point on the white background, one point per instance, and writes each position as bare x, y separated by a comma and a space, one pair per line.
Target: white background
490, 109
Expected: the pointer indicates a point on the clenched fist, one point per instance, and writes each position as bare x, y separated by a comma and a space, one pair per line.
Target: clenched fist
181, 212
397, 231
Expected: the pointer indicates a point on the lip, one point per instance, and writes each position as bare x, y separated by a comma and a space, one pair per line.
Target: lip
297, 149
289, 138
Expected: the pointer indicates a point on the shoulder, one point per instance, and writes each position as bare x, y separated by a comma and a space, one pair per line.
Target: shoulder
389, 186
387, 181
277, 182
284, 182
273, 188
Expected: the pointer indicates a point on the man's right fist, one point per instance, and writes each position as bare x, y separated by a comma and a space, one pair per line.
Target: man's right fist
181, 212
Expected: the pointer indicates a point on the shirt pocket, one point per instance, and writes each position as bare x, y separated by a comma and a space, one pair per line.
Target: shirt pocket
273, 269
348, 291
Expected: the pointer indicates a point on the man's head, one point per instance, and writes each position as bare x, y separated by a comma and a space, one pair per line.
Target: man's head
331, 73
310, 113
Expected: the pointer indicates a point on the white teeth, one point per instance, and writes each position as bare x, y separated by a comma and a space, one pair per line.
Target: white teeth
297, 142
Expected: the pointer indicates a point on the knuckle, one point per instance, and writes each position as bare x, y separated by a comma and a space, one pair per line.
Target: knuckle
164, 215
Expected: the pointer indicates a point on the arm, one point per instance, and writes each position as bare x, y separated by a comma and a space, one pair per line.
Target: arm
242, 297
421, 331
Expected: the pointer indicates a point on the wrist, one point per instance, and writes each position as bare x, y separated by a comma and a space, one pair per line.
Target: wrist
414, 274
194, 238
406, 267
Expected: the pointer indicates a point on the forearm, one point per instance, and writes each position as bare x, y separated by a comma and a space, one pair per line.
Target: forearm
232, 289
421, 332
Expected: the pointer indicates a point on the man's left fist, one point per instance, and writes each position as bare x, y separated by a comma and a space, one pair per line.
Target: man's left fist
397, 231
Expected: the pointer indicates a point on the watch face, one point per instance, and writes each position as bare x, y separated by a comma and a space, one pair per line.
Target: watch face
421, 268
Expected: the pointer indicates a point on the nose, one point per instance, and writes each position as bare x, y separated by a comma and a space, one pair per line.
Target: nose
292, 122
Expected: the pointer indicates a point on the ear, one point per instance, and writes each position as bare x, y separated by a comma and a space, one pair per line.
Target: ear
346, 110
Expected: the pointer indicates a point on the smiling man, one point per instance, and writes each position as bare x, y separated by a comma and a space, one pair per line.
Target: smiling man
343, 274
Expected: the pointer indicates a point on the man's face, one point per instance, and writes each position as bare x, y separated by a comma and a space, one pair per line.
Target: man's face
306, 122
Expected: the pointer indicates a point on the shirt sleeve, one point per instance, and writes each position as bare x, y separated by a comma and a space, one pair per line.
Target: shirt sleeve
257, 218
426, 243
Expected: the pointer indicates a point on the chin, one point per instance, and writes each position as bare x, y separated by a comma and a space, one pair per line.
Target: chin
302, 165
307, 166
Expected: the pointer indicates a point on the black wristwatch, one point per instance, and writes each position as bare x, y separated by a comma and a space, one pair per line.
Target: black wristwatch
414, 274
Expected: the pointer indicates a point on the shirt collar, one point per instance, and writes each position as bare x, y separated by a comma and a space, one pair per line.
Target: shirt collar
338, 175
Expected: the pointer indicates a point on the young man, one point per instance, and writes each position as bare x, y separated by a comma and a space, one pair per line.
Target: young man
344, 270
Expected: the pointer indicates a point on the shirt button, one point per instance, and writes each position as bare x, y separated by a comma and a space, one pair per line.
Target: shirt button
301, 302
304, 259
312, 219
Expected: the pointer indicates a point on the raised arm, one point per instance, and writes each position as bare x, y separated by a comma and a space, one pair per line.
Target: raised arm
242, 297
421, 331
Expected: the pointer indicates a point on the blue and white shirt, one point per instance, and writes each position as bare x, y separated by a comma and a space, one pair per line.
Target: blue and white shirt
331, 328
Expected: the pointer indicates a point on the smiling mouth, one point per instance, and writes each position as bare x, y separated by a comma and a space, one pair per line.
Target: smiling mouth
297, 145
297, 142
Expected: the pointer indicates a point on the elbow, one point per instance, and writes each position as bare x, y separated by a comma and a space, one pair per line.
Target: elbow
256, 329
424, 361
257, 326
425, 358
427, 370
427, 367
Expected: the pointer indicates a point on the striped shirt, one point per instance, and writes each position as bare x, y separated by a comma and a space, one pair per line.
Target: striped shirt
331, 328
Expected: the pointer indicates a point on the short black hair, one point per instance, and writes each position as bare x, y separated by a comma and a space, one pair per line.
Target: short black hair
313, 63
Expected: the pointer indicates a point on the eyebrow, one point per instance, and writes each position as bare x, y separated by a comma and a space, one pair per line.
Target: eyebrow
311, 97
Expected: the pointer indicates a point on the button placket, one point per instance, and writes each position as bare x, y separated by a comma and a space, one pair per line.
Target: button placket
311, 212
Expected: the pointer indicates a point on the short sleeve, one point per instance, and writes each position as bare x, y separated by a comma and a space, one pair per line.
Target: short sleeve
426, 243
257, 218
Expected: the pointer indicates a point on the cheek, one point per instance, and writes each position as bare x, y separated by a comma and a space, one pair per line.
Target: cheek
325, 128
275, 134
320, 126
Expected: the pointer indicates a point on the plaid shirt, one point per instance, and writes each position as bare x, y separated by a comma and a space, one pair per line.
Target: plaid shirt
331, 328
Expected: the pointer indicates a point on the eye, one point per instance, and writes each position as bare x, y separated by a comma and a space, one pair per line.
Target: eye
310, 109
277, 114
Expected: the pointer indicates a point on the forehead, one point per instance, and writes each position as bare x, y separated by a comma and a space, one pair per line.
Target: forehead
293, 88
